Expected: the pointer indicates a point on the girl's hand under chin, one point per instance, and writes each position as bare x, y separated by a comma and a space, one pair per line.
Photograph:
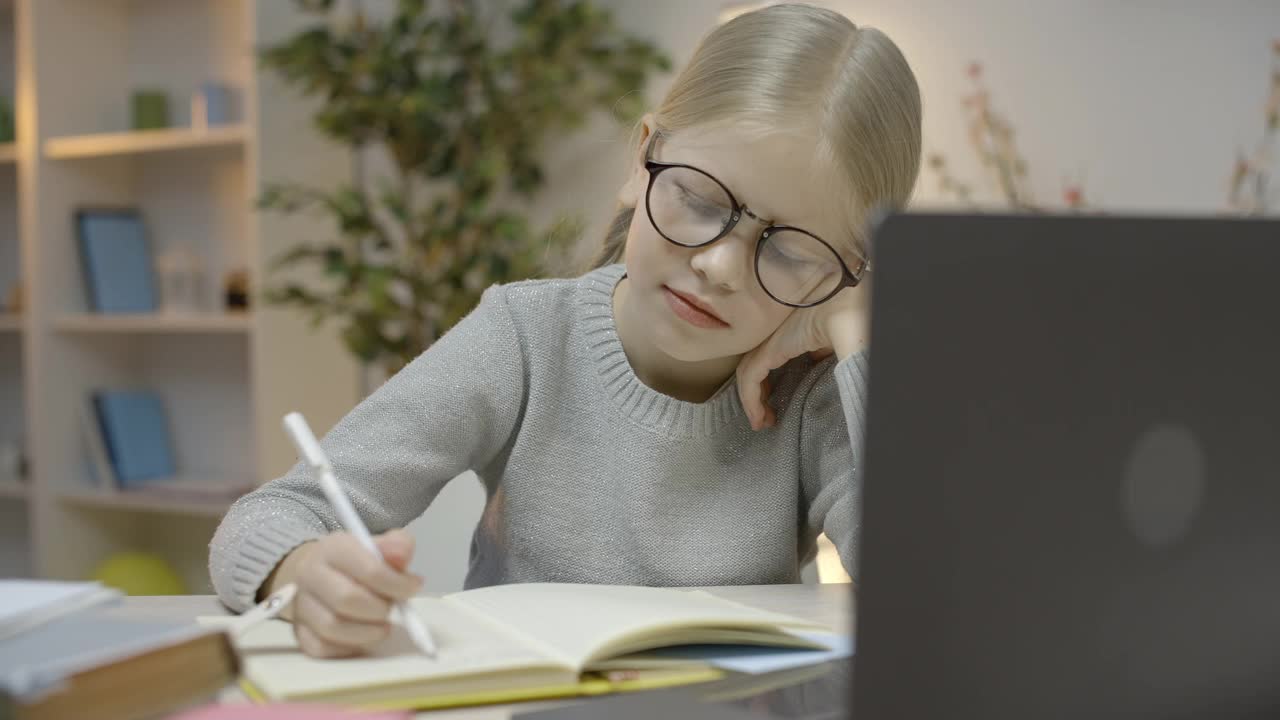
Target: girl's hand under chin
837, 325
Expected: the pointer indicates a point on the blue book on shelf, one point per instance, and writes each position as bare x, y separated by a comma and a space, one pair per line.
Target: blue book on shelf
116, 258
136, 430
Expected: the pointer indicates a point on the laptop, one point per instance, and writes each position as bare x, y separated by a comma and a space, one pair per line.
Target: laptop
1072, 484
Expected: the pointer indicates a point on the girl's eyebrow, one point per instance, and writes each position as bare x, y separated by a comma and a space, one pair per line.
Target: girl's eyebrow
735, 188
759, 211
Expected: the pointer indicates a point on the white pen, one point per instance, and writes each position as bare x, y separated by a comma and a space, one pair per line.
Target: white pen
314, 456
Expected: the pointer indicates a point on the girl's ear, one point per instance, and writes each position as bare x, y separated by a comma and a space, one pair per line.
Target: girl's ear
632, 190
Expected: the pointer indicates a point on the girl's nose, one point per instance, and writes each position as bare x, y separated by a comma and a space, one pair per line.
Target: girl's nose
726, 263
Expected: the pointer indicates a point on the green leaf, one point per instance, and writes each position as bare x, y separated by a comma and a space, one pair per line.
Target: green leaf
361, 337
335, 262
296, 255
464, 114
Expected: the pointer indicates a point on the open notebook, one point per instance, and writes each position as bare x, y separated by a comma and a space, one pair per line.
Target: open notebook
515, 642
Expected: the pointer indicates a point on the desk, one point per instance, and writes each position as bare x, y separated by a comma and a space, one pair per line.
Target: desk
827, 604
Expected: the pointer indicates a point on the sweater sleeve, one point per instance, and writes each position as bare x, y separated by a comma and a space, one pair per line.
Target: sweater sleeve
453, 408
831, 456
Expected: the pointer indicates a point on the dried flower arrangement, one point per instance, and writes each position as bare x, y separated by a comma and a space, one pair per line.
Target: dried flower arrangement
993, 139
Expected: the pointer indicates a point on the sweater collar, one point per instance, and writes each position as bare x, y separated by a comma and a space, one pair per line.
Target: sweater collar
635, 400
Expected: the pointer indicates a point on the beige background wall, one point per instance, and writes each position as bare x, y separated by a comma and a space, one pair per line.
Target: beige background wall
1144, 101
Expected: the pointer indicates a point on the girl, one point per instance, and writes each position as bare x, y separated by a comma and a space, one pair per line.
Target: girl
662, 421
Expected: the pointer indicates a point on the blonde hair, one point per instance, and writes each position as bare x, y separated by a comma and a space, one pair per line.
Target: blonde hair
795, 67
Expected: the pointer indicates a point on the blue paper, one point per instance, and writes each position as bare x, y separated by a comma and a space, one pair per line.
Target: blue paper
217, 103
117, 262
136, 430
754, 659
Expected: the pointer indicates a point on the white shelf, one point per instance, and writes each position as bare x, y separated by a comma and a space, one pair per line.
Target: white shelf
153, 323
11, 489
147, 501
143, 141
228, 376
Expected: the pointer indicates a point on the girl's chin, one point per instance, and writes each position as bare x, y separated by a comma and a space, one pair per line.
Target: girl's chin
687, 349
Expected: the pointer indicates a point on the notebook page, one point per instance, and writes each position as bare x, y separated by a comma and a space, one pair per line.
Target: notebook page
579, 620
465, 646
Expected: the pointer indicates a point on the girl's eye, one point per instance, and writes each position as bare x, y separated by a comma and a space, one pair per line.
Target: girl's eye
700, 204
775, 251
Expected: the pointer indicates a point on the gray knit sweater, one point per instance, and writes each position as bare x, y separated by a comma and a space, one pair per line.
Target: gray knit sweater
591, 476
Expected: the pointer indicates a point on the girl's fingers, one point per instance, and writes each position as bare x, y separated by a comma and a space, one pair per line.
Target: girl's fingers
315, 646
333, 628
766, 392
396, 547
373, 572
348, 597
749, 389
754, 388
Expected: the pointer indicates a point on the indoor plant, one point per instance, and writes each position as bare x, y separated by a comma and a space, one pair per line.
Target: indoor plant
458, 100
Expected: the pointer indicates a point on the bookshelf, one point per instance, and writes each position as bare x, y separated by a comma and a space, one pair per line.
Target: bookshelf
158, 323
226, 377
11, 490
143, 141
15, 515
146, 502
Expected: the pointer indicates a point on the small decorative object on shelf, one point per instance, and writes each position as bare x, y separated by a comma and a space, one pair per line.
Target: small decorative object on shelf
140, 573
10, 462
210, 105
236, 286
150, 110
13, 300
181, 274
6, 120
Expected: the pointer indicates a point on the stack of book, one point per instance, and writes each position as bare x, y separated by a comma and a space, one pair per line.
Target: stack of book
65, 654
130, 447
128, 437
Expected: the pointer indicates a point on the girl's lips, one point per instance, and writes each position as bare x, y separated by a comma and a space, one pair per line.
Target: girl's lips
689, 309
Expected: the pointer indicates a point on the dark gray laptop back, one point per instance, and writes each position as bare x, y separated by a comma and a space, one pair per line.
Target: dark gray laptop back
1072, 483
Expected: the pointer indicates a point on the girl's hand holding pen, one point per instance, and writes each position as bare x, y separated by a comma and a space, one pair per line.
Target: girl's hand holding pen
345, 594
351, 597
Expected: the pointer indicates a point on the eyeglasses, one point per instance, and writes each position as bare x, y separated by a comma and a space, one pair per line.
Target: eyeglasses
690, 208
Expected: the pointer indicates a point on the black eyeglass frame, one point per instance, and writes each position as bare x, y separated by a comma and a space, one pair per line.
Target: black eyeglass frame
847, 280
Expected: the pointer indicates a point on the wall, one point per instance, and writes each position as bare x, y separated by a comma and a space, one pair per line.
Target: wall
1145, 101
327, 383
331, 382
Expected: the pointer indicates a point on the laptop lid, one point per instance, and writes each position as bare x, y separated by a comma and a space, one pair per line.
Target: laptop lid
1072, 483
